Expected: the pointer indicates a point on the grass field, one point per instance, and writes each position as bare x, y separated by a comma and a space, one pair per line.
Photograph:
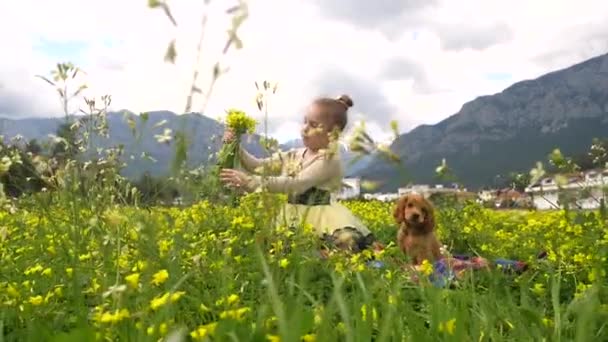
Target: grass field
209, 272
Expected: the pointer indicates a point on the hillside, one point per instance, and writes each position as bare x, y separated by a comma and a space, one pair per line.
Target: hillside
204, 132
508, 131
490, 135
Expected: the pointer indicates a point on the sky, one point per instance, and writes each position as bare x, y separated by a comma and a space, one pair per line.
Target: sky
413, 61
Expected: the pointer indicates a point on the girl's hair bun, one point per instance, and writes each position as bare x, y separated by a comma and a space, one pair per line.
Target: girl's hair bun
345, 100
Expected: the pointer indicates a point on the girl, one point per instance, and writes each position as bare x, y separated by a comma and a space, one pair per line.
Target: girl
308, 176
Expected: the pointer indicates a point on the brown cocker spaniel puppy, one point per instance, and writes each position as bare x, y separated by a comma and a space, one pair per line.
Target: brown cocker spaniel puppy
416, 237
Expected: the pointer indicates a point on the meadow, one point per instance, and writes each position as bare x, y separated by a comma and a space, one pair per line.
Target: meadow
71, 272
84, 255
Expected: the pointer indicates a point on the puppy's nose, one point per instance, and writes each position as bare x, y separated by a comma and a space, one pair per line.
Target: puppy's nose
415, 217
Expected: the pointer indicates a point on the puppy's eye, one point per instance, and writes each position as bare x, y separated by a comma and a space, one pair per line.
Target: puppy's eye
410, 205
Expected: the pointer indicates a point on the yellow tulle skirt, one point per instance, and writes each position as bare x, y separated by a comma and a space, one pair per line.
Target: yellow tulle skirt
324, 219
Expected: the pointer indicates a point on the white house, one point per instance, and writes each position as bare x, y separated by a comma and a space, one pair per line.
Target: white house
545, 193
487, 195
384, 197
416, 188
426, 190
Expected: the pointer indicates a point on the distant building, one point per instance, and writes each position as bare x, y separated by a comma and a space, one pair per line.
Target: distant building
351, 188
583, 190
509, 198
421, 189
486, 195
384, 197
428, 191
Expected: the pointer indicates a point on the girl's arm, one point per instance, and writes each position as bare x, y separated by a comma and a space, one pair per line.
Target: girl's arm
318, 172
253, 164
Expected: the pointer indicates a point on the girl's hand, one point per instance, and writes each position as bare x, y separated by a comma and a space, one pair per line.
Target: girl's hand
229, 136
234, 178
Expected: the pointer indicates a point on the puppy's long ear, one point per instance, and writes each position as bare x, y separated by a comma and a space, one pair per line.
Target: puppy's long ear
398, 212
429, 221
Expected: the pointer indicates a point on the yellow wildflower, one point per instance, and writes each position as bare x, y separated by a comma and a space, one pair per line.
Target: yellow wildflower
133, 235
177, 295
132, 280
164, 246
318, 314
84, 257
34, 269
12, 291
271, 322
159, 302
233, 298
115, 317
448, 326
539, 289
309, 338
234, 314
426, 268
113, 217
139, 266
579, 258
239, 122
36, 300
203, 331
163, 328
364, 313
273, 338
160, 277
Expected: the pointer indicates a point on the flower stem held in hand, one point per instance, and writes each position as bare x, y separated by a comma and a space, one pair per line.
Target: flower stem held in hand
237, 124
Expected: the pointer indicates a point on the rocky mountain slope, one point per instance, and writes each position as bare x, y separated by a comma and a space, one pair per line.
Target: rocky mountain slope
508, 131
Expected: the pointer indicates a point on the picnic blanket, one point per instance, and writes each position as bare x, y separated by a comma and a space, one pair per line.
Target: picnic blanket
447, 270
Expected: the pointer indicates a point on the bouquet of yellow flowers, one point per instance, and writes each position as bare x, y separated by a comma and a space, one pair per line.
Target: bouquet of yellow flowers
239, 123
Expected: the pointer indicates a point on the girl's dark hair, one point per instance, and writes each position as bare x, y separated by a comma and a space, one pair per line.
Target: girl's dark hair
336, 108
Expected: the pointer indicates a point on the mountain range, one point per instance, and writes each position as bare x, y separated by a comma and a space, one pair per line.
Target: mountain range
490, 135
505, 132
204, 136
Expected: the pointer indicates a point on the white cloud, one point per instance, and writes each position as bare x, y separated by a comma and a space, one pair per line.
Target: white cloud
295, 43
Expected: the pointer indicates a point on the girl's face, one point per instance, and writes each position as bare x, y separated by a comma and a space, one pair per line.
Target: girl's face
316, 128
